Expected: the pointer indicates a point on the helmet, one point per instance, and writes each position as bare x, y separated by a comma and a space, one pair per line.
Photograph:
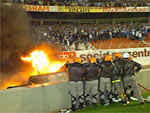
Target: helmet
77, 59
125, 55
130, 58
107, 58
92, 60
117, 55
69, 60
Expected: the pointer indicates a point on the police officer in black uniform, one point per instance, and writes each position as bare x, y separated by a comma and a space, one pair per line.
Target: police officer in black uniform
91, 81
107, 69
129, 70
76, 74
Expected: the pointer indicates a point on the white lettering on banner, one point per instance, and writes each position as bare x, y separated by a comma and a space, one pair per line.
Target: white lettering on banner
141, 55
126, 9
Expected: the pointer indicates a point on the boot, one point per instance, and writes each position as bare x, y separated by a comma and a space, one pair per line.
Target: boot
87, 103
116, 96
73, 108
128, 96
102, 101
142, 103
110, 101
81, 105
93, 104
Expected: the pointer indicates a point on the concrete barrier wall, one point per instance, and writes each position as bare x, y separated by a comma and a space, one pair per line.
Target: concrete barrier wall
35, 100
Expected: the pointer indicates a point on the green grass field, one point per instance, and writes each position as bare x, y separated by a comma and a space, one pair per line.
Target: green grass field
133, 107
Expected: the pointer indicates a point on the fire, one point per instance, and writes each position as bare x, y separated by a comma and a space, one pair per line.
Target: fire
42, 63
43, 60
10, 84
38, 58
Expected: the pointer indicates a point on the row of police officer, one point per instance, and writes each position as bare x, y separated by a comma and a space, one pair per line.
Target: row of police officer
87, 76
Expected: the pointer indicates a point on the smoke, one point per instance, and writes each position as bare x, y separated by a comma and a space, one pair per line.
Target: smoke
15, 38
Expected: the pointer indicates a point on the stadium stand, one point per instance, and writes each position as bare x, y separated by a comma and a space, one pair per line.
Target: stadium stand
111, 26
90, 3
123, 35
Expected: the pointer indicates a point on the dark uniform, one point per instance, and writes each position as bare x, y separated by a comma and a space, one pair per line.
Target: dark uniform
129, 78
91, 84
76, 73
107, 69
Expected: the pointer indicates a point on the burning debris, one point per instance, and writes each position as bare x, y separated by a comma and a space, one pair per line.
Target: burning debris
44, 66
48, 78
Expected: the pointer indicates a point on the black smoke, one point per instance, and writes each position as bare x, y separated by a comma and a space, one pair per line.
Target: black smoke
15, 40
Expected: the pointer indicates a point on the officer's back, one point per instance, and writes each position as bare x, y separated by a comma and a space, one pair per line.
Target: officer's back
92, 71
106, 68
76, 71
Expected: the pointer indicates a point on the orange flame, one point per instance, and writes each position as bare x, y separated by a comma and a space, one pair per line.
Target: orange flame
43, 59
42, 63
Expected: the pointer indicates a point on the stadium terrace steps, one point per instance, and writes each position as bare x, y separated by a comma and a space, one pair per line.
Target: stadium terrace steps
119, 43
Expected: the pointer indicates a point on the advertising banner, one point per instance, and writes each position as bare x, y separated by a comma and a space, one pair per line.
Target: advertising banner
125, 9
75, 9
38, 8
79, 9
141, 55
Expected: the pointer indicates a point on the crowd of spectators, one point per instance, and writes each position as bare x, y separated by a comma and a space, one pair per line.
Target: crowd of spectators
90, 3
68, 34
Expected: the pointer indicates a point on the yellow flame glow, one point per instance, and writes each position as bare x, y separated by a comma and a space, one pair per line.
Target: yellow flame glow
41, 62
